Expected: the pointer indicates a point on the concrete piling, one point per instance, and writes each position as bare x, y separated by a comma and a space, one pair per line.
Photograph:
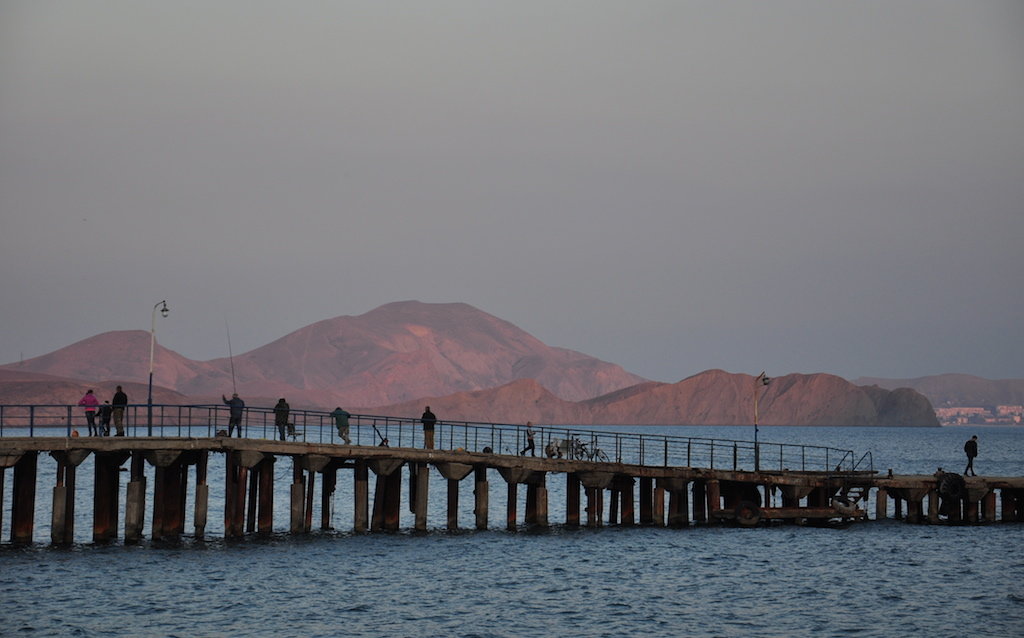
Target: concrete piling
697, 495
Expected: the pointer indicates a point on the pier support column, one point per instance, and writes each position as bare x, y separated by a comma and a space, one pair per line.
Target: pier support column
106, 493
481, 496
168, 495
452, 519
699, 502
298, 498
422, 495
1011, 505
595, 506
251, 497
914, 511
933, 506
202, 508
360, 496
572, 499
881, 504
714, 500
62, 526
627, 512
330, 476
23, 496
658, 506
542, 506
307, 514
613, 505
971, 511
388, 496
988, 507
512, 504
646, 500
265, 524
234, 495
135, 502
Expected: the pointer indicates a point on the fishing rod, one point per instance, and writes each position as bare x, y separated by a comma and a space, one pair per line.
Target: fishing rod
231, 357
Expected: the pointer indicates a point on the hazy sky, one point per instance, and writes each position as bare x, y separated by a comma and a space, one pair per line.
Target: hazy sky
671, 186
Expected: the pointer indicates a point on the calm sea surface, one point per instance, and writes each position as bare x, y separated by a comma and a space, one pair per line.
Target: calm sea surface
871, 579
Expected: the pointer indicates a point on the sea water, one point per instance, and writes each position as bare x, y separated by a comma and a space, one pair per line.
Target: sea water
871, 579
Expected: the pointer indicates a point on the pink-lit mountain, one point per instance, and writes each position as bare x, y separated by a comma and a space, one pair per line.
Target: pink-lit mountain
468, 365
397, 352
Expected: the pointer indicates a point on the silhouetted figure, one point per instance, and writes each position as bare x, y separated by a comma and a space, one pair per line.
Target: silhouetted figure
529, 440
428, 420
281, 411
341, 422
106, 411
971, 449
120, 403
236, 407
90, 403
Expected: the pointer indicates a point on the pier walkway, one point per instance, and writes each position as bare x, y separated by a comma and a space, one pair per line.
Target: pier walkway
610, 478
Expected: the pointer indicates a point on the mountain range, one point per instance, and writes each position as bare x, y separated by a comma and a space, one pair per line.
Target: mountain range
468, 364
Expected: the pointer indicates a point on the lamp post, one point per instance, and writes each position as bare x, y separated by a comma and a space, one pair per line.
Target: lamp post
164, 311
759, 381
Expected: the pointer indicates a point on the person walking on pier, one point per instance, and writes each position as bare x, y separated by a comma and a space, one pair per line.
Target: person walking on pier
428, 420
281, 411
235, 408
90, 403
529, 440
119, 402
971, 448
341, 421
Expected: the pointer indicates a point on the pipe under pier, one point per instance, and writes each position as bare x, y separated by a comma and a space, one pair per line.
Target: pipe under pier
596, 493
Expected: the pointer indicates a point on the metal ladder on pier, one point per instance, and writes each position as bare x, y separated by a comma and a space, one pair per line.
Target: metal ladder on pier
853, 493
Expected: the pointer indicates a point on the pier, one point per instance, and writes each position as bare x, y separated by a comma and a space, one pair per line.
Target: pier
610, 478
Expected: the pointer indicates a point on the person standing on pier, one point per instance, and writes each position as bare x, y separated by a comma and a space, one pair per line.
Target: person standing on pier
428, 420
281, 411
529, 440
971, 448
106, 411
341, 421
235, 408
90, 403
120, 402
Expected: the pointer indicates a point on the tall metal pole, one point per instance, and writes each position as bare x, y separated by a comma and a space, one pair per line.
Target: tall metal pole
759, 381
152, 347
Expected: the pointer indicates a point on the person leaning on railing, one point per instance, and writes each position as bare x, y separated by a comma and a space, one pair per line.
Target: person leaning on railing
236, 407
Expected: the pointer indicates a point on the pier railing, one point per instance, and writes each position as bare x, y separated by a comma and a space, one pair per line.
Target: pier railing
314, 426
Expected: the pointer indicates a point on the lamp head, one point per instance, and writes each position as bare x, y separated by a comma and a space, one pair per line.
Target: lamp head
765, 380
164, 311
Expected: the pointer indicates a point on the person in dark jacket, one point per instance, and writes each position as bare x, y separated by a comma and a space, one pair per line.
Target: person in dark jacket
428, 420
341, 422
971, 448
281, 411
530, 447
236, 407
106, 411
120, 403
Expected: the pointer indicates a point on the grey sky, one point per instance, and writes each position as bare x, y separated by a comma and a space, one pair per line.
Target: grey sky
670, 186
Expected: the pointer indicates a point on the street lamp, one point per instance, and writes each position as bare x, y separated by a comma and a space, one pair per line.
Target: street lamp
759, 381
164, 311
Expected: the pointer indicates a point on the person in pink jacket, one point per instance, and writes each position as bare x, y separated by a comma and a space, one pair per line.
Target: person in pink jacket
91, 404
